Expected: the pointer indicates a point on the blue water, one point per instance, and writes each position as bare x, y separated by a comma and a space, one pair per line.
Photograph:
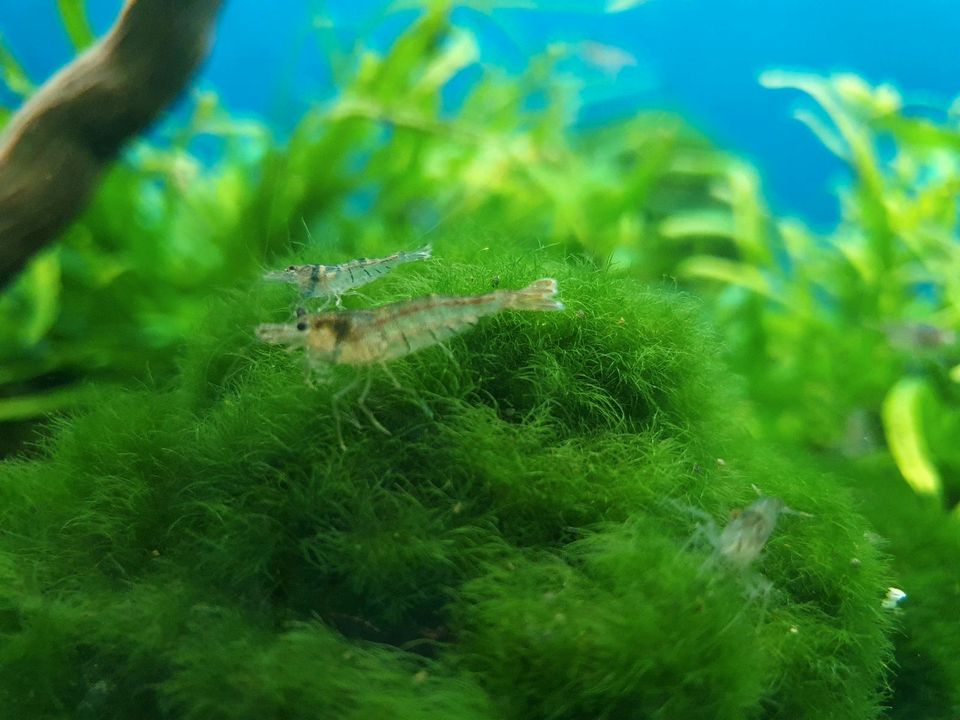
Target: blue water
698, 57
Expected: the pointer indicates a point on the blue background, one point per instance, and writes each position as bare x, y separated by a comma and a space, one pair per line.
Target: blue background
698, 57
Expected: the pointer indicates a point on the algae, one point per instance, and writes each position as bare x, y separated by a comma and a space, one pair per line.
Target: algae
517, 546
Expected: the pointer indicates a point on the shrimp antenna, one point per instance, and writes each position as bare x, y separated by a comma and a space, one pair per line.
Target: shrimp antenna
303, 221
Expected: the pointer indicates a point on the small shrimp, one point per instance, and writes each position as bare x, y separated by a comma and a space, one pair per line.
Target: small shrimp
362, 337
743, 538
740, 542
365, 337
332, 281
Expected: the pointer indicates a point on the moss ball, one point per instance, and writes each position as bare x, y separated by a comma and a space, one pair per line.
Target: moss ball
527, 533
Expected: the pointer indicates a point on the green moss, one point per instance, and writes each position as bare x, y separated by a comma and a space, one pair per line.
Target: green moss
519, 545
622, 626
925, 552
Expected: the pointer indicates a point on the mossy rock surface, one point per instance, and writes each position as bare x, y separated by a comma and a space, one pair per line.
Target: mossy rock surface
521, 545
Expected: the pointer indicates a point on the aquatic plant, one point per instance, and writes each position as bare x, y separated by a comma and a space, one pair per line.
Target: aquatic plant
519, 544
197, 548
855, 334
849, 344
924, 550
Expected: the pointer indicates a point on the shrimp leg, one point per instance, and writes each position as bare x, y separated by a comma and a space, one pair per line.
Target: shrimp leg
362, 404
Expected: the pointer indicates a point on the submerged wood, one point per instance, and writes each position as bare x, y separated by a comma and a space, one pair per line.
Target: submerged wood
56, 146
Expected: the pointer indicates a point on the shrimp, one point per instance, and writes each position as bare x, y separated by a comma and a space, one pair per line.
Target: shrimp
738, 545
362, 337
367, 337
743, 538
332, 281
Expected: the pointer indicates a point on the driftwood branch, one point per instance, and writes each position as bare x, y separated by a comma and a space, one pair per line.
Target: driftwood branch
57, 145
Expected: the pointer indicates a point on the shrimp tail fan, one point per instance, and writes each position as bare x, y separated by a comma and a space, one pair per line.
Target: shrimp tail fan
539, 295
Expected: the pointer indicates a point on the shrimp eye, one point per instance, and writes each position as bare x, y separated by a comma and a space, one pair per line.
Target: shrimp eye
301, 325
291, 268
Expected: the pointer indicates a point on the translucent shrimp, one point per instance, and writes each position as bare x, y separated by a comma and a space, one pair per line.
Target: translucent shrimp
367, 337
743, 538
362, 337
332, 281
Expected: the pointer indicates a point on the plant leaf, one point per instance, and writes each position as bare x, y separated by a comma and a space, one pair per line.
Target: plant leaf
43, 278
12, 74
903, 425
698, 223
730, 272
73, 13
24, 407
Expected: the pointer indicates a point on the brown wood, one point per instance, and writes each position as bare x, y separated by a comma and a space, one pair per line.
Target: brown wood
56, 146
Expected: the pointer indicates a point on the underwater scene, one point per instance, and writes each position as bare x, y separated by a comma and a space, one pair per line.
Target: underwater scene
481, 360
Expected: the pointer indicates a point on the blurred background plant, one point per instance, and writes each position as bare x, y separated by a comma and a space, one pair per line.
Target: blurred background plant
849, 340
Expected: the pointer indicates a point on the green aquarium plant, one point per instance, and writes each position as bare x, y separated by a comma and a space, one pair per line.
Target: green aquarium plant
849, 345
541, 531
530, 537
924, 550
850, 340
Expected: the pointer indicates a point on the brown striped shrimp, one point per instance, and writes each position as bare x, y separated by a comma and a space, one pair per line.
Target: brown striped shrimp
377, 336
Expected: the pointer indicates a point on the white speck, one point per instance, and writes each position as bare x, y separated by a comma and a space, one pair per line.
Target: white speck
894, 597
